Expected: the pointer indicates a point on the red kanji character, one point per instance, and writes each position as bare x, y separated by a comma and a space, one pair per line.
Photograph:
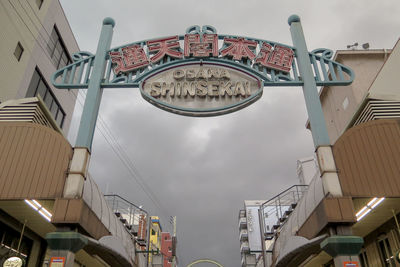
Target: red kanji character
164, 47
281, 58
262, 57
201, 48
239, 48
132, 57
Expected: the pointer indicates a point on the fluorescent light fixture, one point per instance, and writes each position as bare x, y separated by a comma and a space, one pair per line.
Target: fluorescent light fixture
361, 211
31, 204
363, 214
36, 203
46, 212
377, 203
44, 215
372, 204
39, 208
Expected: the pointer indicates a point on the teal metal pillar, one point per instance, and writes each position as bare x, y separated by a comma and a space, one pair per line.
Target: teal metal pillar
94, 92
313, 104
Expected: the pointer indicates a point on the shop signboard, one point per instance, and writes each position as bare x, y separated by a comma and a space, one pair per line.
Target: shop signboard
57, 262
206, 89
13, 262
253, 228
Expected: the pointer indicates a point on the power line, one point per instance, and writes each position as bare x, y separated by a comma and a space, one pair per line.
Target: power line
103, 127
126, 161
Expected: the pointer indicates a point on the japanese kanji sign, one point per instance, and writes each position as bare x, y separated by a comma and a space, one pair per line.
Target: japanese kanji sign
197, 45
201, 72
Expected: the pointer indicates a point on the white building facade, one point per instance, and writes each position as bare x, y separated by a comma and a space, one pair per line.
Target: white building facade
36, 40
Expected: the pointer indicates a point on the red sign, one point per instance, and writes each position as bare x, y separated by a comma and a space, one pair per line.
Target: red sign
131, 58
239, 48
57, 262
163, 47
350, 264
205, 45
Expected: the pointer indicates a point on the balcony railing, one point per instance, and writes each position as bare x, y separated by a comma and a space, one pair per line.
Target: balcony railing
133, 217
244, 247
243, 235
275, 211
242, 223
242, 213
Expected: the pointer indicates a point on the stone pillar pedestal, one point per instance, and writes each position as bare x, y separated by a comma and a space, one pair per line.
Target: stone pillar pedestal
65, 245
346, 261
343, 249
66, 254
77, 173
329, 176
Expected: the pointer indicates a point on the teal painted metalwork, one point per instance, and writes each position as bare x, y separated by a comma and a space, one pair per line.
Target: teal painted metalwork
94, 93
313, 104
319, 59
309, 69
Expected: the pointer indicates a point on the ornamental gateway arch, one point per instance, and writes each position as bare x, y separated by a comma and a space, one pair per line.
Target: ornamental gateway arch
200, 73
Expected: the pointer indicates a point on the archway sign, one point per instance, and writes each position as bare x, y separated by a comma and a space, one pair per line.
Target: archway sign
202, 73
205, 260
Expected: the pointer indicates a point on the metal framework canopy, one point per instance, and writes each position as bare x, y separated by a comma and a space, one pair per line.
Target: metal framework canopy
202, 73
205, 261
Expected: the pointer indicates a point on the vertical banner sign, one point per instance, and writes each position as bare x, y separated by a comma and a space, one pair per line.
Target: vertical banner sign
253, 228
57, 262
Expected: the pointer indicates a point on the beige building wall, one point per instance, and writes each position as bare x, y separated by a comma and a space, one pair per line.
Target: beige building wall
386, 86
22, 21
339, 103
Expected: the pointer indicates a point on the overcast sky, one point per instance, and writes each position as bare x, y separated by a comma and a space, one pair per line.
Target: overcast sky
202, 169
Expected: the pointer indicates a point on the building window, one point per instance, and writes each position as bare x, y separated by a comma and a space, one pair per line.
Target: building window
363, 258
385, 252
38, 86
9, 240
39, 3
18, 51
57, 51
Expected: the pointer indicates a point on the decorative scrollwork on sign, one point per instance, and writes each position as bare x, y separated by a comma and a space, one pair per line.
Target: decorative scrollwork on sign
81, 55
325, 53
327, 71
273, 63
206, 29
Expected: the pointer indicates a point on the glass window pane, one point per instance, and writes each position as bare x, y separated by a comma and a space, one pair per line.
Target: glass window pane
18, 51
52, 42
48, 99
59, 47
60, 118
64, 61
50, 47
56, 57
54, 109
42, 88
33, 84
